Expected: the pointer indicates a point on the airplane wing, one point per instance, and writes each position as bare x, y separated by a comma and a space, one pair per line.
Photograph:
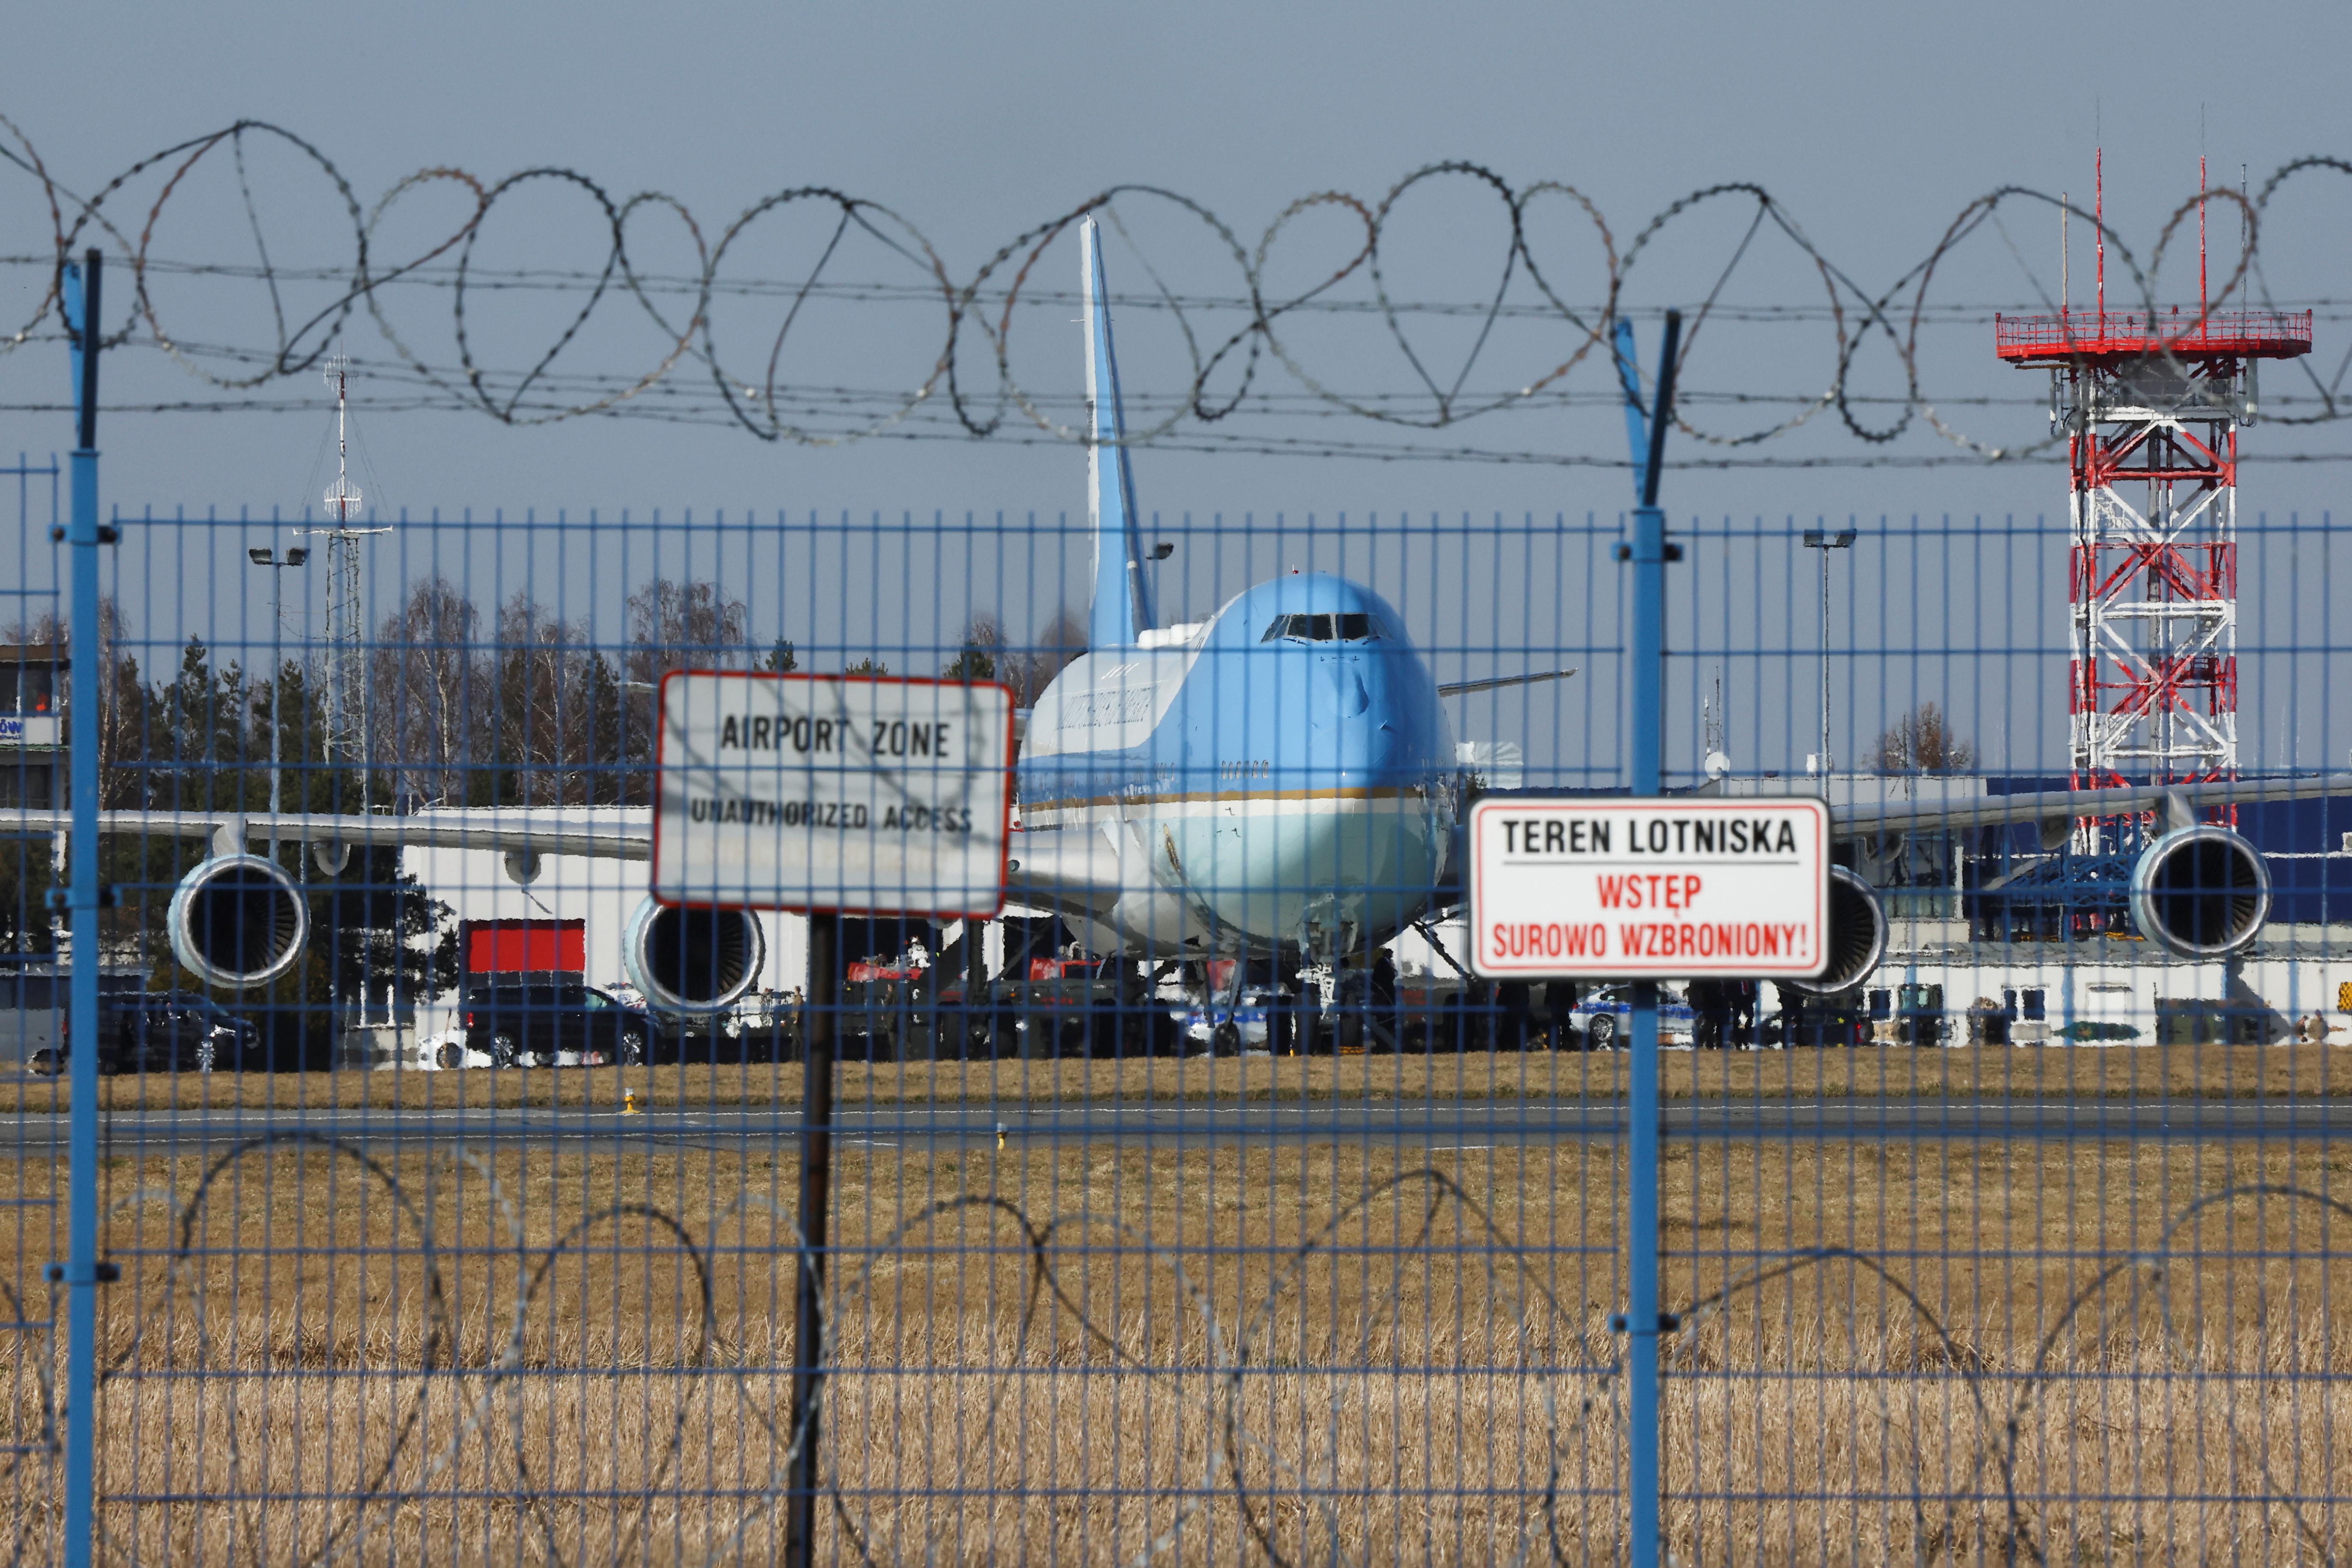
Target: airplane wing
1464, 688
1077, 870
2056, 810
1072, 871
516, 833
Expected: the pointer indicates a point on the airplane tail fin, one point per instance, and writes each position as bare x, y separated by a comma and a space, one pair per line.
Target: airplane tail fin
1122, 598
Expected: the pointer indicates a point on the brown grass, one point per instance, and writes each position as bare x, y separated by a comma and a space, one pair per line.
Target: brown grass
1992, 1072
1921, 1352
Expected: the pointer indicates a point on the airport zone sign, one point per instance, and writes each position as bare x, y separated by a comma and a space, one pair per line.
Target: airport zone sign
850, 793
1649, 889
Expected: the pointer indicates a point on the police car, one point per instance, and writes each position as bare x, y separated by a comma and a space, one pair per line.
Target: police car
1229, 1030
1603, 1018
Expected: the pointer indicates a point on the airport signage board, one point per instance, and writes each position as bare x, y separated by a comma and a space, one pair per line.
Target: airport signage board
1671, 887
849, 794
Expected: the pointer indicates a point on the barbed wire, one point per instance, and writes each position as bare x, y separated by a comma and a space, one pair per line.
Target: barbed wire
1233, 338
1574, 1361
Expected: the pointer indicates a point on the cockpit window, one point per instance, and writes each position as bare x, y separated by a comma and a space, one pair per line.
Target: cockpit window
1353, 627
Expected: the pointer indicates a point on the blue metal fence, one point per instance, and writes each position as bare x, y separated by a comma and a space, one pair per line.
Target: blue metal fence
439, 1239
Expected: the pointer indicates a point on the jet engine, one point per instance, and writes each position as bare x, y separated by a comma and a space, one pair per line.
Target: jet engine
690, 959
2201, 893
1857, 937
236, 920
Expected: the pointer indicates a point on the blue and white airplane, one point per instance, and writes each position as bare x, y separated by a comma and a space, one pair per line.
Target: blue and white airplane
1279, 776
1279, 780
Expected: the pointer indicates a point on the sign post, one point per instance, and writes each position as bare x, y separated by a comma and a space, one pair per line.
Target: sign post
817, 1028
830, 795
82, 1272
1645, 747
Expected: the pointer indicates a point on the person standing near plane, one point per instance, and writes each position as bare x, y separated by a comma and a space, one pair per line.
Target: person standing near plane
1744, 995
1710, 1001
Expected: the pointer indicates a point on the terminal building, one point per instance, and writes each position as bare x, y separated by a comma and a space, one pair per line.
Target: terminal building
32, 739
32, 775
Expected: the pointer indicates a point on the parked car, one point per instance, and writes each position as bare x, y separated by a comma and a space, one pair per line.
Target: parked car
1601, 1017
1226, 1030
543, 1024
161, 1031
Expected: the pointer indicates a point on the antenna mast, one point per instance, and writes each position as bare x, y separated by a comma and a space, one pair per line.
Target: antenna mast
346, 671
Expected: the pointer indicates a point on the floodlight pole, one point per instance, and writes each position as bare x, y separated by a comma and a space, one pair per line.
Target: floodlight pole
1825, 766
1825, 542
1821, 539
1648, 554
295, 556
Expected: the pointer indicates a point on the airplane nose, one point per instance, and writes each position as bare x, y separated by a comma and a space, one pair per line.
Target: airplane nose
1342, 691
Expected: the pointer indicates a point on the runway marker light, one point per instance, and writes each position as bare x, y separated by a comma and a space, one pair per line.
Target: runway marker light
628, 1101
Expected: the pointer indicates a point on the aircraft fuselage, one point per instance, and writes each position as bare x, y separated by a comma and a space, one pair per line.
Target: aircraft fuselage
1284, 771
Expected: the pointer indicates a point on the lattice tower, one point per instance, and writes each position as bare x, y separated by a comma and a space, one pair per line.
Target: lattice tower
345, 675
2151, 402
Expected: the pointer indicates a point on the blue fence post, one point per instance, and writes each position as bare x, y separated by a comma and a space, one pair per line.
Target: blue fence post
80, 1272
1645, 720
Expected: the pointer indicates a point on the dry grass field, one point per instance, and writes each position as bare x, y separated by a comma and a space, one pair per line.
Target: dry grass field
1095, 1353
1973, 1072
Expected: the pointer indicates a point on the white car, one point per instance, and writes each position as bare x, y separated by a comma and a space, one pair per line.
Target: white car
1227, 1030
446, 1051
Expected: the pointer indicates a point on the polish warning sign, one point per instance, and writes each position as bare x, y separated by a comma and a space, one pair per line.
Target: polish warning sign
1649, 889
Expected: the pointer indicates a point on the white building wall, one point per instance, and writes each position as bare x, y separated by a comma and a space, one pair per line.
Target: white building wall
604, 892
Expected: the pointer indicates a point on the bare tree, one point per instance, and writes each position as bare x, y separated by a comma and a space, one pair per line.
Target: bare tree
675, 626
684, 626
429, 706
1922, 742
982, 657
546, 709
1030, 669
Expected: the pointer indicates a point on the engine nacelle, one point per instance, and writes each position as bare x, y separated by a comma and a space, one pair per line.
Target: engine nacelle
236, 920
1857, 939
2201, 893
688, 959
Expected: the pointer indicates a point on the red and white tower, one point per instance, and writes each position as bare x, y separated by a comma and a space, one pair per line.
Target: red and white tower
2151, 402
